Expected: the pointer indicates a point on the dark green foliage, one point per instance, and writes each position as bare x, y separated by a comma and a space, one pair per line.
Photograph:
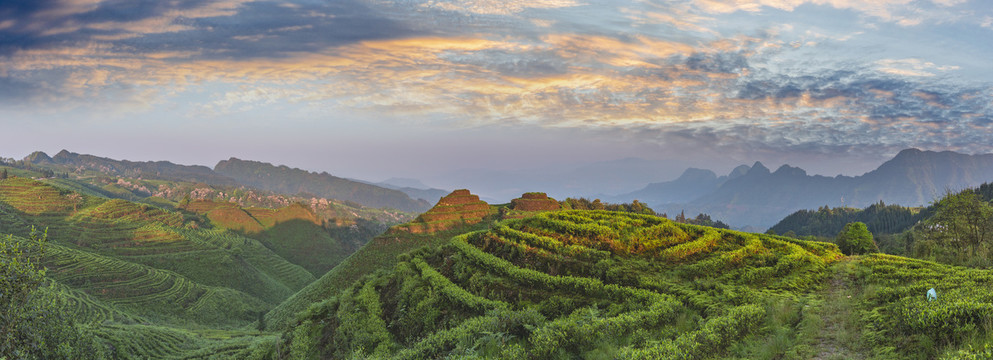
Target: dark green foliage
585, 204
960, 231
855, 239
705, 220
3, 174
21, 274
378, 254
34, 323
827, 222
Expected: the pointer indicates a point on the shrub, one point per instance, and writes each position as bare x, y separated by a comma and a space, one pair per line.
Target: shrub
855, 239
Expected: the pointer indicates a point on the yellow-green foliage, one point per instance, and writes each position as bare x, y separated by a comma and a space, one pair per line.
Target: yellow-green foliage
122, 261
565, 285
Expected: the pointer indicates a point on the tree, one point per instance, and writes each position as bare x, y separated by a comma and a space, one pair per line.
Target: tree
260, 324
33, 321
961, 220
3, 174
20, 275
855, 239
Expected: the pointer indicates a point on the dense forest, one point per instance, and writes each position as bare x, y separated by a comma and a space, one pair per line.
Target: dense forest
827, 222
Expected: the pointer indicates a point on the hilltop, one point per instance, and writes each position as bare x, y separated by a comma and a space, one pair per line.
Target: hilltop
459, 208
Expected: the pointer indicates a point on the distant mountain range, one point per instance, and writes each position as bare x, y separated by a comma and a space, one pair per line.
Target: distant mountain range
758, 197
235, 172
288, 180
163, 170
412, 187
563, 180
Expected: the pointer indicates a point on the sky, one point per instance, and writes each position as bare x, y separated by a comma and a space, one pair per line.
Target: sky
430, 89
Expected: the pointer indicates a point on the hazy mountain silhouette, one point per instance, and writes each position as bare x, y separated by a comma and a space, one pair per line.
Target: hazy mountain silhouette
755, 196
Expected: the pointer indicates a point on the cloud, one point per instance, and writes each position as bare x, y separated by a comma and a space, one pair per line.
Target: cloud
902, 12
232, 28
497, 7
911, 67
673, 77
85, 51
949, 2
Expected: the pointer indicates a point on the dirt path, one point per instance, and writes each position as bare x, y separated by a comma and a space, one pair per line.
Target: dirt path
839, 334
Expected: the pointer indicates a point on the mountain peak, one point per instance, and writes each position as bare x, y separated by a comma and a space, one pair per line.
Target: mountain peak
739, 171
790, 171
38, 157
911, 152
758, 168
64, 154
697, 174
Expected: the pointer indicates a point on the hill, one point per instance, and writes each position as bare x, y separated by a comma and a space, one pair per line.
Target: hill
567, 283
459, 208
881, 219
598, 284
107, 241
761, 197
294, 232
285, 180
456, 213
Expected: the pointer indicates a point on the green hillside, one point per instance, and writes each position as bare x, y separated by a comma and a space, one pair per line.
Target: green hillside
827, 222
100, 245
293, 232
380, 253
640, 285
598, 284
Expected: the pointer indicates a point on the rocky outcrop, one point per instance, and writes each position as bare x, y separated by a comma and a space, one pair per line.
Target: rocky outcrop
455, 209
535, 201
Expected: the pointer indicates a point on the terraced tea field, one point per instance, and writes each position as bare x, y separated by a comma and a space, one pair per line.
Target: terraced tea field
564, 284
